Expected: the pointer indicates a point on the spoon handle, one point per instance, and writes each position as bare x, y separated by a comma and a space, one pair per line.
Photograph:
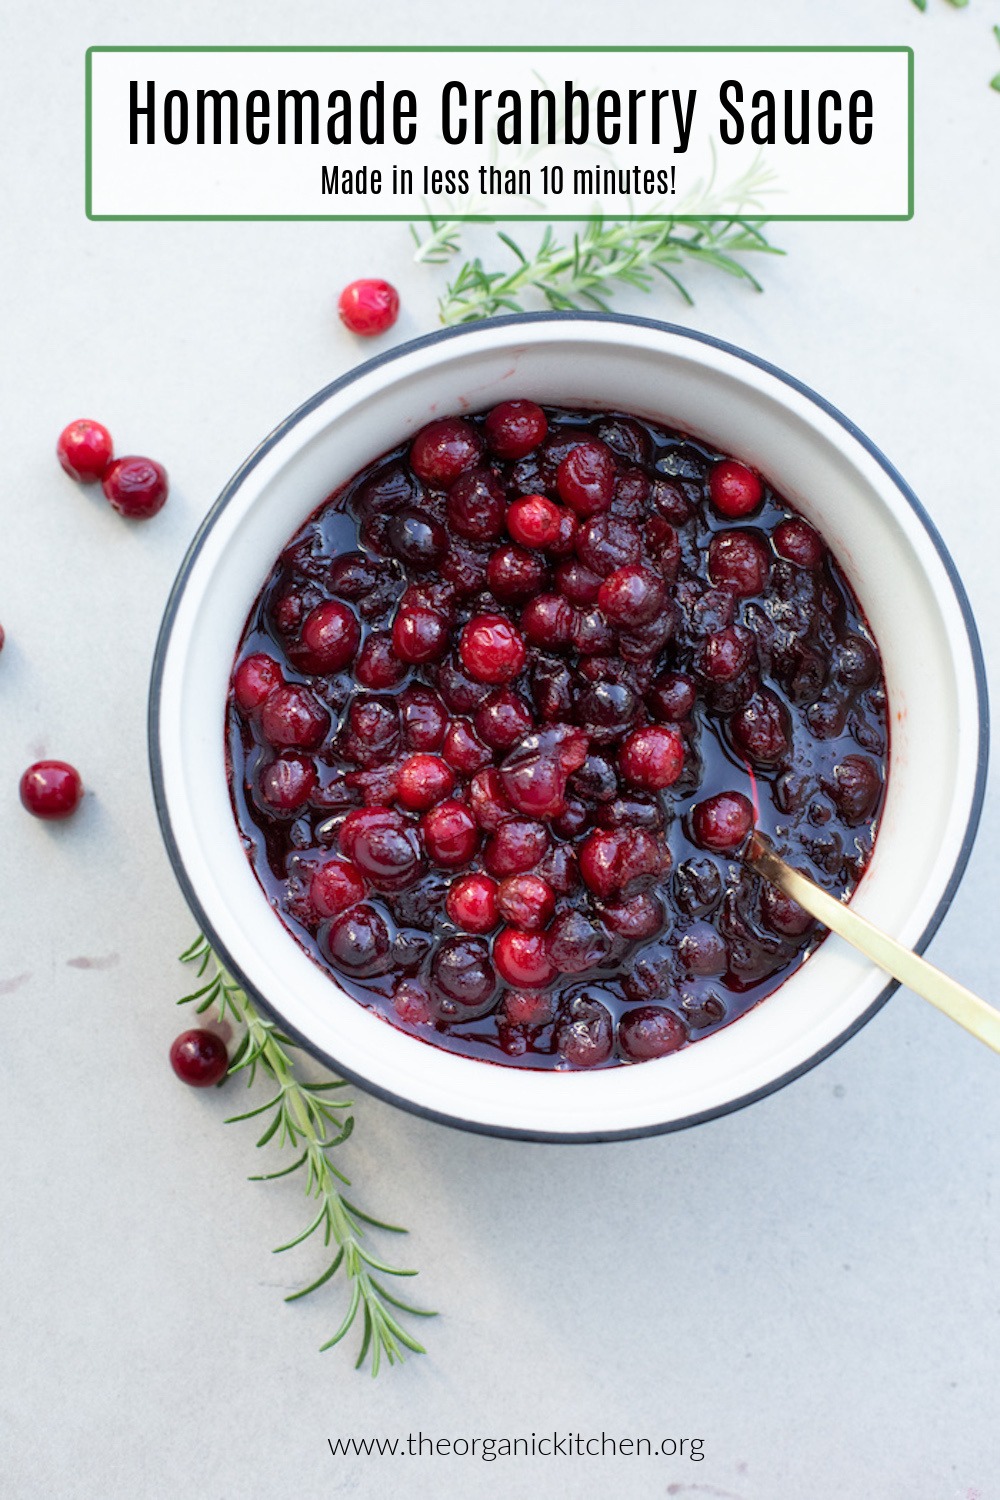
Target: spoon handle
916, 973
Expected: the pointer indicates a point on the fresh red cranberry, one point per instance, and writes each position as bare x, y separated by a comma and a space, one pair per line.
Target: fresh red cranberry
477, 506
488, 800
585, 478
514, 428
503, 719
671, 698
287, 782
514, 573
199, 1058
534, 521
726, 654
471, 903
577, 583
619, 861
84, 449
517, 845
412, 1003
51, 789
534, 774
255, 679
358, 943
423, 717
735, 489
462, 972
585, 1033
640, 918
377, 665
383, 845
797, 542
463, 749
526, 1008
292, 716
522, 959
650, 1031
652, 758
331, 635
419, 634
444, 449
761, 729
136, 487
335, 886
722, 822
450, 834
702, 950
577, 943
855, 788
632, 596
416, 539
424, 780
547, 621
526, 901
491, 649
606, 543
368, 306
739, 559
783, 915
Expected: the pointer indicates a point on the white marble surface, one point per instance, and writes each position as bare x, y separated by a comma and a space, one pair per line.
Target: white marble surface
810, 1285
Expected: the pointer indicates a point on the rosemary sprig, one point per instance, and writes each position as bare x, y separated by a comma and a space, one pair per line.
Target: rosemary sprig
602, 254
305, 1118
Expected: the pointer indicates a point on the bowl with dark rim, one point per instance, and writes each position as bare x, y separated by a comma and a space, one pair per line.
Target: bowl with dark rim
829, 471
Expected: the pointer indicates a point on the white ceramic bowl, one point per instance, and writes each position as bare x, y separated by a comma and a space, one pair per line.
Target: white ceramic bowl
819, 460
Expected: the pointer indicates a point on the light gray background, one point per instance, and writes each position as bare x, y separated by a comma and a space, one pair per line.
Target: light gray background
810, 1285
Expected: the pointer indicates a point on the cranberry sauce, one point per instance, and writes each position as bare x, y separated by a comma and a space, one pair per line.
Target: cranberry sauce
505, 712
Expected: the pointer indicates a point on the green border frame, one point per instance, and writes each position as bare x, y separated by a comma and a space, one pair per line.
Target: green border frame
483, 218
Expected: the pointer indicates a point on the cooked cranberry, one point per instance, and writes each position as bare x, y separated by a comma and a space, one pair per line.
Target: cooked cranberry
828, 718
199, 1058
255, 679
416, 539
640, 918
585, 1033
515, 573
722, 822
488, 800
423, 718
491, 649
650, 1031
419, 634
546, 621
577, 943
377, 665
596, 779
424, 780
464, 567
632, 489
761, 729
534, 774
735, 489
293, 716
619, 861
606, 543
331, 635
783, 915
526, 1008
477, 506
372, 728
84, 449
287, 782
726, 654
444, 449
462, 972
632, 596
664, 544
626, 437
667, 497
368, 306
797, 542
358, 943
522, 958
533, 521
855, 788
526, 901
639, 810
671, 698
450, 834
590, 633
856, 661
647, 641
574, 818
697, 886
352, 576
577, 583
335, 886
586, 477
503, 719
702, 950
739, 559
135, 487
566, 539
514, 428
463, 749
517, 845
51, 789
412, 1003
652, 758
461, 693
471, 903
384, 846
606, 710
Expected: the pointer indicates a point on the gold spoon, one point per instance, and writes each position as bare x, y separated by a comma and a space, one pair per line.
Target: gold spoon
915, 972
